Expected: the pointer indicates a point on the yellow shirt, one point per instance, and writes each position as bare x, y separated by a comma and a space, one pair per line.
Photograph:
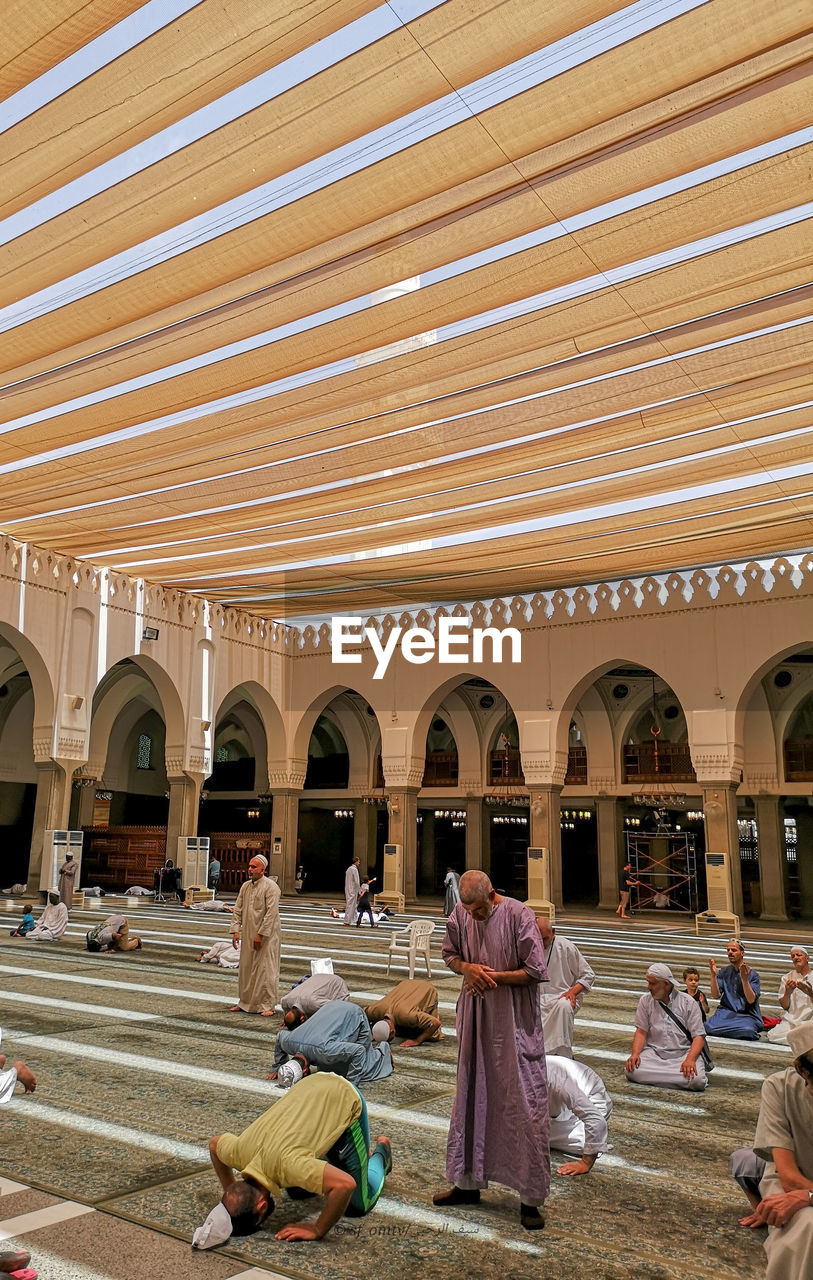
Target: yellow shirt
283, 1147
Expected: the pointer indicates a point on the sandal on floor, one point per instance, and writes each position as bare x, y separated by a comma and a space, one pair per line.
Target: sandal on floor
27, 1273
14, 1260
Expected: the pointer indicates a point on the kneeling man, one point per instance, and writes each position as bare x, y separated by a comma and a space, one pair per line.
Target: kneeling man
580, 1107
669, 1037
336, 1038
309, 995
314, 1140
412, 1010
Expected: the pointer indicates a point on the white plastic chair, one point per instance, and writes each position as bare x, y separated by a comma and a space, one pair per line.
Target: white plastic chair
416, 938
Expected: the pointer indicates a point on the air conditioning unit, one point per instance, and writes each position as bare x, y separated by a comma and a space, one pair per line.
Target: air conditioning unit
56, 845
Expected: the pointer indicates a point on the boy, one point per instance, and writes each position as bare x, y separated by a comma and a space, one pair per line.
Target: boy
691, 977
27, 923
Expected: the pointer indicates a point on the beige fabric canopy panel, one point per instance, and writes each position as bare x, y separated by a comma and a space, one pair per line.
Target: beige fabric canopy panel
492, 337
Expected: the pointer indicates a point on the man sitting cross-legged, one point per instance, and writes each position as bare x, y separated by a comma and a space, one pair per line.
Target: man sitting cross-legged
337, 1038
777, 1174
411, 1008
315, 1140
669, 1037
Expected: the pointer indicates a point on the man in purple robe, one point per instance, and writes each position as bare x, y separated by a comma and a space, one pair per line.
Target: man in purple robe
499, 1125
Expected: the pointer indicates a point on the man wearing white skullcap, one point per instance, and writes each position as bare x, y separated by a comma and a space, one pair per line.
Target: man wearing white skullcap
315, 1140
669, 1039
256, 924
795, 995
777, 1174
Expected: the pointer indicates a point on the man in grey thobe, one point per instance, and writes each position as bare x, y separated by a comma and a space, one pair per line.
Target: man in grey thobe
256, 923
499, 1125
308, 996
777, 1175
352, 888
561, 995
662, 1053
336, 1038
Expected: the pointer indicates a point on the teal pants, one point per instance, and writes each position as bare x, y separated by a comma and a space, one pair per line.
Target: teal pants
368, 1172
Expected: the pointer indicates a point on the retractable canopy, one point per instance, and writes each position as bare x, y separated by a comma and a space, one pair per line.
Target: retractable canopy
326, 308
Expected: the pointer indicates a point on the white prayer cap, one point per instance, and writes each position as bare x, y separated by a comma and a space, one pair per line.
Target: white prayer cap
260, 857
800, 1039
798, 947
215, 1230
381, 1030
663, 972
290, 1073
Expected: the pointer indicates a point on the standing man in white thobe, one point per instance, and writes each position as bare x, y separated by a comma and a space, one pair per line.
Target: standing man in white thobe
352, 888
255, 924
569, 976
580, 1107
663, 1053
780, 1185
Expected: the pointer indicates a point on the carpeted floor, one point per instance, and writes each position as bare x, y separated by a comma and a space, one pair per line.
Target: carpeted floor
139, 1062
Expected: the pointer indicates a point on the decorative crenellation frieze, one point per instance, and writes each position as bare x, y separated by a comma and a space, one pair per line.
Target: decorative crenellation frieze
751, 582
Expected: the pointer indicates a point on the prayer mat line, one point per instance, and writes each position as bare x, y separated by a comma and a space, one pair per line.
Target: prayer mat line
8, 1186
124, 1134
48, 1217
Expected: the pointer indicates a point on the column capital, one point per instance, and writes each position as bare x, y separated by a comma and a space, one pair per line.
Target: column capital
287, 775
403, 774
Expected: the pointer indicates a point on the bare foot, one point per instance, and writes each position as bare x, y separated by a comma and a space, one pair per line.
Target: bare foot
272, 1076
2, 1061
235, 1008
25, 1077
267, 1013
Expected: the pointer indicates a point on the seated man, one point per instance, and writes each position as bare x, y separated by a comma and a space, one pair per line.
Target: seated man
569, 976
336, 1038
225, 953
209, 904
737, 988
777, 1175
310, 994
579, 1107
10, 1075
411, 1009
669, 1038
315, 1139
52, 923
113, 934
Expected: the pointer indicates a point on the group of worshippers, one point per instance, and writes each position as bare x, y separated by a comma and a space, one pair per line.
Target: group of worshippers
316, 1139
51, 924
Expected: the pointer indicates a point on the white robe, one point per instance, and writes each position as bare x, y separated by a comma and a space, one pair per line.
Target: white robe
8, 1080
801, 1007
210, 904
666, 1046
52, 923
579, 1106
566, 966
223, 953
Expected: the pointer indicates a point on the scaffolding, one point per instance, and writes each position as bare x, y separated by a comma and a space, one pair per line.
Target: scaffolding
664, 870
